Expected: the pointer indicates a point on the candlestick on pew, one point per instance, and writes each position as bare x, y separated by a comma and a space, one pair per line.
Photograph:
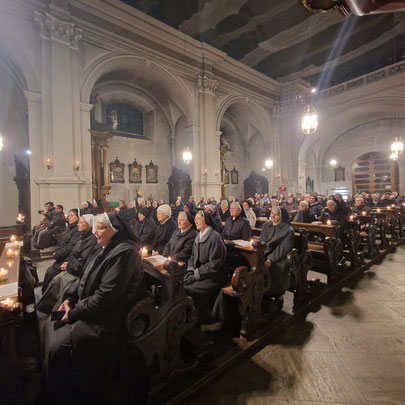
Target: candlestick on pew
351, 218
364, 213
13, 238
16, 244
8, 303
10, 253
251, 243
378, 210
329, 222
144, 253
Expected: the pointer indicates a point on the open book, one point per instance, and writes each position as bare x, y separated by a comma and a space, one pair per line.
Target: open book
242, 243
156, 260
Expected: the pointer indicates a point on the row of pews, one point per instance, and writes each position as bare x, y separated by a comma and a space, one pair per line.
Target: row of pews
162, 326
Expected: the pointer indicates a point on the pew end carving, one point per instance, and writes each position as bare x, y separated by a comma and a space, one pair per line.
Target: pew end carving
157, 324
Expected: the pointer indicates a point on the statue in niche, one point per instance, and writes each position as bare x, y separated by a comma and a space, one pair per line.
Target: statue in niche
309, 185
234, 176
139, 192
224, 141
114, 119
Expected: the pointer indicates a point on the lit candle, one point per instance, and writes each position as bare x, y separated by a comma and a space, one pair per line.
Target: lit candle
8, 303
10, 252
144, 253
16, 244
13, 238
378, 210
403, 204
15, 252
388, 208
363, 213
392, 205
3, 274
169, 258
10, 262
328, 222
351, 217
251, 243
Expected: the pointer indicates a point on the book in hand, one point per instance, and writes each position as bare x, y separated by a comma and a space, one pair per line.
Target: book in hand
156, 260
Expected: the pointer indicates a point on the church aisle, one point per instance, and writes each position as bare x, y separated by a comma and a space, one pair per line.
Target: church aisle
350, 350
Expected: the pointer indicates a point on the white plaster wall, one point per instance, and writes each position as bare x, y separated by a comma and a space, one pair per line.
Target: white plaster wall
374, 136
13, 126
144, 151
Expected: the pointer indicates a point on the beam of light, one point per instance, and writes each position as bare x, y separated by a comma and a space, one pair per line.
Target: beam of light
336, 51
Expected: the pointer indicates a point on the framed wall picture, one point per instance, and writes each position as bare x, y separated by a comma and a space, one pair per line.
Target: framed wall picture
340, 173
117, 171
226, 176
135, 172
151, 173
234, 176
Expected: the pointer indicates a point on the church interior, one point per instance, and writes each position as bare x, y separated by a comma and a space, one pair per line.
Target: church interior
203, 202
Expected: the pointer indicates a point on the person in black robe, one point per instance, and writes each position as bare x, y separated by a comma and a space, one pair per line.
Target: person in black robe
336, 217
181, 243
207, 271
315, 207
212, 210
124, 212
85, 208
304, 214
97, 207
236, 226
179, 207
82, 350
190, 208
153, 211
224, 212
164, 230
278, 236
145, 229
65, 246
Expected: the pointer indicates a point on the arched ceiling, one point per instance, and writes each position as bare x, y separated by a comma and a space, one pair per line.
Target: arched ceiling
283, 40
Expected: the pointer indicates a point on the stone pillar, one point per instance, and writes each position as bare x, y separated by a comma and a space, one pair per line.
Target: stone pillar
193, 132
210, 183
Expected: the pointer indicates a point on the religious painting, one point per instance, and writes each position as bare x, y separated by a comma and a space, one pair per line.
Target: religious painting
117, 171
151, 173
135, 172
234, 176
226, 176
339, 173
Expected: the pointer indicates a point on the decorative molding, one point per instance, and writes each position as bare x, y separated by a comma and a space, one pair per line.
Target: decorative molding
58, 30
207, 85
282, 110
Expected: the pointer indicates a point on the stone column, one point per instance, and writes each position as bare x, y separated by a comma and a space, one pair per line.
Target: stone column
193, 132
209, 140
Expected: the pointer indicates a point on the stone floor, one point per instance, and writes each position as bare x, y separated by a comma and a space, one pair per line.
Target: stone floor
350, 350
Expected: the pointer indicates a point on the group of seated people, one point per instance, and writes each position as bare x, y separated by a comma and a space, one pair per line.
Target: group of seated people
97, 275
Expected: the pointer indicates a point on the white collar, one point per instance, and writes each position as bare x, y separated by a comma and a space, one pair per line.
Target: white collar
206, 230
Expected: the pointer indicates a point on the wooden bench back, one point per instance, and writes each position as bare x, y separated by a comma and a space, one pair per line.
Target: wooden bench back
331, 231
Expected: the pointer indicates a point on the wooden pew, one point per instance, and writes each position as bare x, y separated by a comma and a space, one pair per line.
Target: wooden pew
157, 323
250, 283
352, 243
369, 226
327, 255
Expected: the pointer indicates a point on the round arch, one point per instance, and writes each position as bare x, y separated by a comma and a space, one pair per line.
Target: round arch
109, 62
260, 119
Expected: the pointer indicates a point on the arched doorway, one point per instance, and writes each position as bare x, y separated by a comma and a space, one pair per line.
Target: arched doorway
374, 172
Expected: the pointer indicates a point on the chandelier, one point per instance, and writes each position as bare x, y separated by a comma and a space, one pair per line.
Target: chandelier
268, 163
394, 156
397, 146
187, 156
309, 122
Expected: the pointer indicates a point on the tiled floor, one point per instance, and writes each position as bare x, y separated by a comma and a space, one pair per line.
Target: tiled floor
350, 351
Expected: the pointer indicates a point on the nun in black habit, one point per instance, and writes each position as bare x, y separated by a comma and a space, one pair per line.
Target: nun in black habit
81, 350
207, 271
145, 228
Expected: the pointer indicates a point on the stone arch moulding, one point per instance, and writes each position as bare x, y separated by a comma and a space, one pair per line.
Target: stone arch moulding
171, 83
264, 123
362, 111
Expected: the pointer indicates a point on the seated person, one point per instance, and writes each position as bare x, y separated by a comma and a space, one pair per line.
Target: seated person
48, 214
375, 201
207, 272
181, 243
224, 211
359, 207
124, 212
97, 207
256, 207
290, 204
201, 203
85, 208
153, 210
304, 214
315, 207
145, 228
332, 214
65, 246
236, 226
250, 215
278, 236
81, 350
190, 208
216, 219
179, 207
387, 199
164, 230
132, 213
43, 236
73, 267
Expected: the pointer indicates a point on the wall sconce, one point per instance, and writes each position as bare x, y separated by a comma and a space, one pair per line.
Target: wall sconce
77, 165
205, 172
48, 164
333, 162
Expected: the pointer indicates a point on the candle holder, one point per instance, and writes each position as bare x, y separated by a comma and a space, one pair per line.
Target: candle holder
13, 238
8, 304
3, 274
77, 166
364, 213
378, 210
48, 164
10, 253
329, 222
16, 244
